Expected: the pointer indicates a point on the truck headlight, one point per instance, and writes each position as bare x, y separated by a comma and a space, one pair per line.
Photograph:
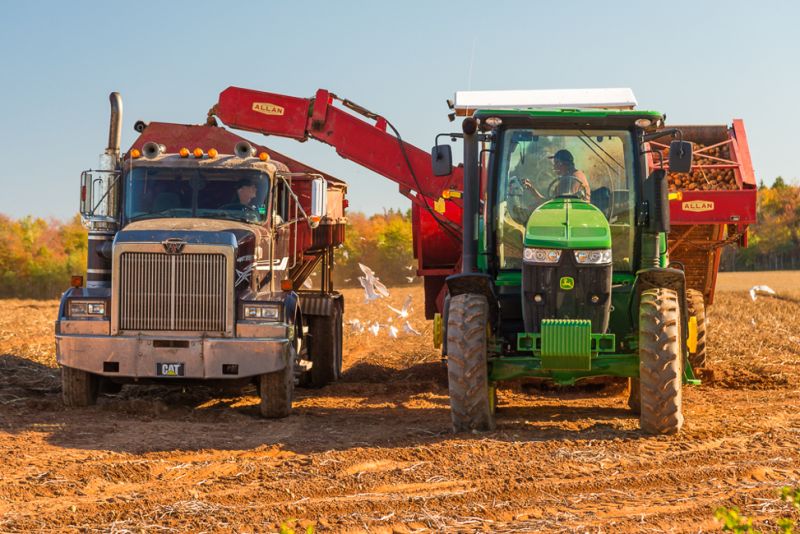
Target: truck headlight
86, 308
593, 257
541, 255
262, 311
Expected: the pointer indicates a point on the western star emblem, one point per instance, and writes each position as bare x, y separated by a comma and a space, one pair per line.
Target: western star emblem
173, 246
267, 109
567, 283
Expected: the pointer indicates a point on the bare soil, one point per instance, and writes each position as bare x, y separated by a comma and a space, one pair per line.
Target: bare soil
374, 452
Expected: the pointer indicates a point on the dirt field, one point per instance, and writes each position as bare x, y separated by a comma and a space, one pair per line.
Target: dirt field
374, 453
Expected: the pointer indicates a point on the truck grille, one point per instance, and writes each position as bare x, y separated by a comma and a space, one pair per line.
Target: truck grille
179, 292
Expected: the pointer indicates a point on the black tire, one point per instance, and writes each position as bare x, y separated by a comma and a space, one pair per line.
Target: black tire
696, 307
471, 406
634, 396
660, 362
325, 347
276, 390
79, 388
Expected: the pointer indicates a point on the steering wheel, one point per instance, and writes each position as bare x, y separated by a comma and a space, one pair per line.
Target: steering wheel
552, 189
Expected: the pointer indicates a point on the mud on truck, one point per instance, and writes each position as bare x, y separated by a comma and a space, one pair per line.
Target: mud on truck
199, 244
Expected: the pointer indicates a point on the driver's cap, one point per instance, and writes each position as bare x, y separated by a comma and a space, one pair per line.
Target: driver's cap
564, 156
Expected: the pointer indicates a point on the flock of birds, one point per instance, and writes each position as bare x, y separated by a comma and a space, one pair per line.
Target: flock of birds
374, 289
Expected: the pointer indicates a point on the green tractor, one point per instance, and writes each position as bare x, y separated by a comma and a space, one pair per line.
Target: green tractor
565, 274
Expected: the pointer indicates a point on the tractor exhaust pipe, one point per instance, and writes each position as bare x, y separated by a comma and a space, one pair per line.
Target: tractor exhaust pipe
470, 195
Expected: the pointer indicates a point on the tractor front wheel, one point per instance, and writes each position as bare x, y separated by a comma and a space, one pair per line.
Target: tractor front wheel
471, 398
660, 362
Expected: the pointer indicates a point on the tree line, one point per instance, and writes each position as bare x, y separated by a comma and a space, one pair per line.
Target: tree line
37, 256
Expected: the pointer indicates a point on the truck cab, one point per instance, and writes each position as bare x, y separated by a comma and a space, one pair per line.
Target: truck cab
194, 262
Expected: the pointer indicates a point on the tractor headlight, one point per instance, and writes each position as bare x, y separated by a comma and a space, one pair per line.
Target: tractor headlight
541, 255
79, 309
593, 257
270, 312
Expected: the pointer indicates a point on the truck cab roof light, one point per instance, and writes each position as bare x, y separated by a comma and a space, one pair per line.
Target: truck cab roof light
263, 156
212, 153
135, 154
198, 152
184, 152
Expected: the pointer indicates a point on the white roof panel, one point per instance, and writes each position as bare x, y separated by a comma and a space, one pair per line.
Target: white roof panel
620, 98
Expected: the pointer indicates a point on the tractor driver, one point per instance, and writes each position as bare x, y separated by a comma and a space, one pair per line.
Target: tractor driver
570, 180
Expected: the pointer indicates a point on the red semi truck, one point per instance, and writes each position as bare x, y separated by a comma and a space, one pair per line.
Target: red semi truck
199, 244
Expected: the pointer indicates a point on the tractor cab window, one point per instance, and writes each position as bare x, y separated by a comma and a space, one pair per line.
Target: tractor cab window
152, 192
538, 165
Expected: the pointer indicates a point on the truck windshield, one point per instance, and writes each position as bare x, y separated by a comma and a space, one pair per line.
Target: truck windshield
152, 192
538, 165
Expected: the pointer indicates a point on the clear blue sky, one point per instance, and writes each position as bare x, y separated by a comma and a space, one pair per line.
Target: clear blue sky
698, 62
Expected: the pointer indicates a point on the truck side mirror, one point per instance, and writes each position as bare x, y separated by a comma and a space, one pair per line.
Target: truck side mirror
442, 160
319, 201
656, 194
680, 156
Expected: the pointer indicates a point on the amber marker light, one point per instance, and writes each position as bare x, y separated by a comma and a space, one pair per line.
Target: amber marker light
135, 154
184, 152
286, 284
198, 153
263, 156
212, 153
76, 280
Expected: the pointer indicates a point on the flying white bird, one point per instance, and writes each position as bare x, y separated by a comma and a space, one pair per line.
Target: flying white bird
373, 287
345, 254
356, 326
410, 279
403, 313
393, 332
410, 267
408, 329
763, 290
375, 328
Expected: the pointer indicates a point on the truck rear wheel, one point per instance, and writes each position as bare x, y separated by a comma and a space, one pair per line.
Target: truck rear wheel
79, 388
696, 307
471, 398
660, 362
276, 390
326, 347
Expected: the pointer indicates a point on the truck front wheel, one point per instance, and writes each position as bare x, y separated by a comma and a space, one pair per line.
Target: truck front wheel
276, 390
660, 362
79, 388
471, 398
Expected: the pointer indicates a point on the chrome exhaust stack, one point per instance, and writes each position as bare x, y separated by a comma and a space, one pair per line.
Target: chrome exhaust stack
100, 202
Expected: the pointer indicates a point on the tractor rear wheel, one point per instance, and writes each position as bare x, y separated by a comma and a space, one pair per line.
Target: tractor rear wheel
276, 390
660, 362
634, 396
79, 388
696, 307
471, 406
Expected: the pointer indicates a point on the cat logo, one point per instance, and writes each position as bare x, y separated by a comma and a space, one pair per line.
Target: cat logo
169, 369
266, 108
567, 283
698, 205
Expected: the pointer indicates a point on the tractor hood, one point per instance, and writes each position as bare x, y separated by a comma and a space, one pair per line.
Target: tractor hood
567, 223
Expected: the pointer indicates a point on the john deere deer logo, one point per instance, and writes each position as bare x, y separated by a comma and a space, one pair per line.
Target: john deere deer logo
267, 109
567, 283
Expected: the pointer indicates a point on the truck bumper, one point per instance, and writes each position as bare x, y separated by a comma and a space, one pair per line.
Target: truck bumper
198, 357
